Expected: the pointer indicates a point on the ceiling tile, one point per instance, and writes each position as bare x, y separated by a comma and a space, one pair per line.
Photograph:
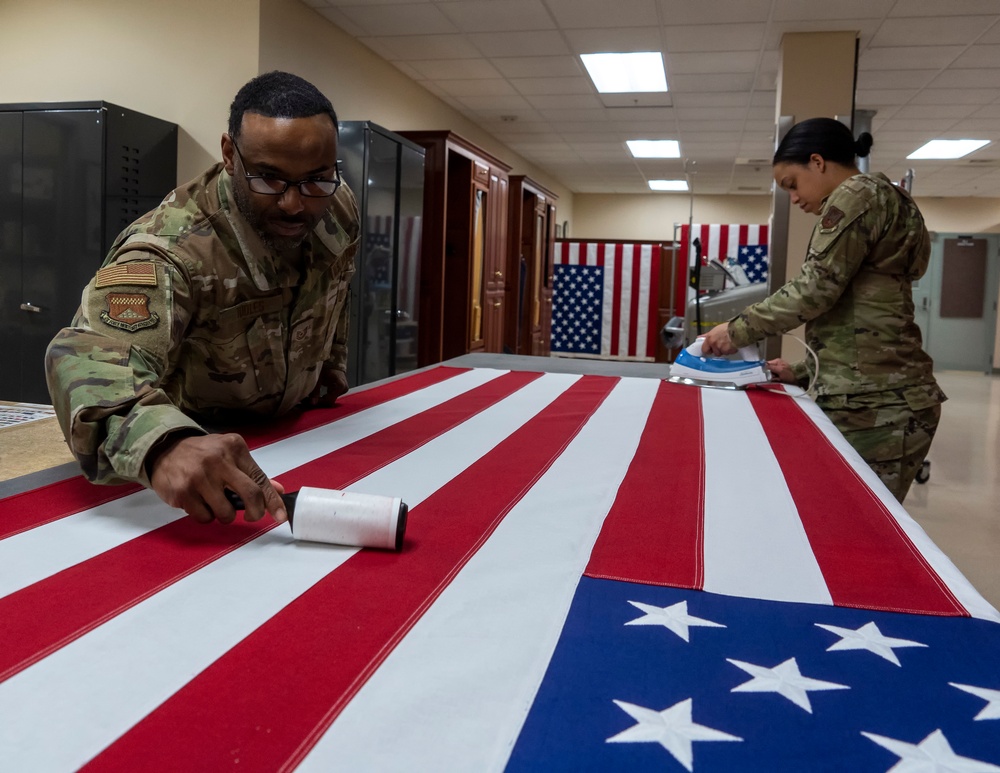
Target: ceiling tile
619, 40
939, 31
715, 37
497, 15
412, 19
499, 44
576, 14
535, 66
454, 69
411, 47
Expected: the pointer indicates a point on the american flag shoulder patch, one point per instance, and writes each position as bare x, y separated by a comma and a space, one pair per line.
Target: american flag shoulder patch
137, 273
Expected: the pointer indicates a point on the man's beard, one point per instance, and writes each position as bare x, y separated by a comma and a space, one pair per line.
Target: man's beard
256, 221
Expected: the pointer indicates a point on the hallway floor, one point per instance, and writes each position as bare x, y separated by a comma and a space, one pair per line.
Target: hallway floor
959, 507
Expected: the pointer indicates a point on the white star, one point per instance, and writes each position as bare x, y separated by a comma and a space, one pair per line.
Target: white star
785, 680
932, 755
868, 637
671, 728
992, 709
674, 618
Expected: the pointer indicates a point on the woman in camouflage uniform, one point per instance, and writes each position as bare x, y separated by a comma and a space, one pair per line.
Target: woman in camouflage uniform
854, 294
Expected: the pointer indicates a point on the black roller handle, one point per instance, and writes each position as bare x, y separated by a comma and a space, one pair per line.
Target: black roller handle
238, 504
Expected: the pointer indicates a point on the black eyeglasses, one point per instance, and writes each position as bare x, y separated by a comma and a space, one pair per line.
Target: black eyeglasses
275, 186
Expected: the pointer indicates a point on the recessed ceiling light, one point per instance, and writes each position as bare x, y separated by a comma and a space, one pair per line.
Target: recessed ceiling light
948, 148
618, 73
654, 148
668, 185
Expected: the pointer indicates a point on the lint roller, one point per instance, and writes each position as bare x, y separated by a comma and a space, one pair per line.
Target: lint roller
342, 517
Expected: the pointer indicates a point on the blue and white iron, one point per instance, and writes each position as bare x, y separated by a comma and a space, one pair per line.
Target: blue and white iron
692, 368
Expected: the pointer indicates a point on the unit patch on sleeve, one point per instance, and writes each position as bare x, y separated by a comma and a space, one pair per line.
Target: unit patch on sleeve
129, 312
831, 218
137, 273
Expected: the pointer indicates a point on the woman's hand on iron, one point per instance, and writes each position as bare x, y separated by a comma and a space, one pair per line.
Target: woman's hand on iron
717, 341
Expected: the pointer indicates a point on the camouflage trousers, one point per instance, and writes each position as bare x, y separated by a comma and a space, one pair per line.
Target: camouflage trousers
893, 440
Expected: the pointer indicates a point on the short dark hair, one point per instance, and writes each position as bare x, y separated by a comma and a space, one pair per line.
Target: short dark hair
825, 136
278, 94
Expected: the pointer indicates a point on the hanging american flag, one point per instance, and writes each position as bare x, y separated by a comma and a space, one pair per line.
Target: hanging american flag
719, 242
573, 594
605, 299
752, 258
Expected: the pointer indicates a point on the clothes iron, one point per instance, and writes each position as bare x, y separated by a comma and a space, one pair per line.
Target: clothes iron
692, 368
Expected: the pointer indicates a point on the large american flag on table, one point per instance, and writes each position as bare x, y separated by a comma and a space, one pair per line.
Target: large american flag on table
573, 594
605, 299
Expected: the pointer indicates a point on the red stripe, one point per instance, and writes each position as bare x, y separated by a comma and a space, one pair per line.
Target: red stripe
633, 312
653, 323
647, 537
30, 509
616, 302
51, 502
866, 558
310, 659
53, 612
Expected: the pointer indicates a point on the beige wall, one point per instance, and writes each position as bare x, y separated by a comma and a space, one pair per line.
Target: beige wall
181, 61
653, 216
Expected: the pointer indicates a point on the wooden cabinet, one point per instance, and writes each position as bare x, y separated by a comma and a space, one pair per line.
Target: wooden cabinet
531, 222
462, 278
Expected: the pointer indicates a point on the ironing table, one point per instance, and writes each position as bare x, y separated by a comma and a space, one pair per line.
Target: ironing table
601, 571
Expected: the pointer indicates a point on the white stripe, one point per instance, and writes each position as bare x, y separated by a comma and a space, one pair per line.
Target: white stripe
33, 555
711, 250
753, 234
625, 302
592, 253
967, 595
755, 544
646, 301
109, 679
474, 661
572, 253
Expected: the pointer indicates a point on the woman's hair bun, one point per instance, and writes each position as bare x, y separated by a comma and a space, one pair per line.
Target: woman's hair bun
863, 145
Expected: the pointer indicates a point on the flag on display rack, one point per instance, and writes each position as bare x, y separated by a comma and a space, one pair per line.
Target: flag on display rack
573, 593
718, 242
605, 299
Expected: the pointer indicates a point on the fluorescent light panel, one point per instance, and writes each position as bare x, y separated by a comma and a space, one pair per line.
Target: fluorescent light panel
668, 185
947, 148
654, 148
618, 73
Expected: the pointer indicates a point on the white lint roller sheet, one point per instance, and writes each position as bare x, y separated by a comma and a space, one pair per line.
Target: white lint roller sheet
348, 518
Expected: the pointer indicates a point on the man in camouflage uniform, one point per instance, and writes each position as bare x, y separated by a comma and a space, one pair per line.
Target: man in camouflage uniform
854, 294
228, 300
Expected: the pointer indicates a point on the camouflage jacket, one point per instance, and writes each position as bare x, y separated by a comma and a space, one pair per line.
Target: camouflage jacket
854, 295
193, 318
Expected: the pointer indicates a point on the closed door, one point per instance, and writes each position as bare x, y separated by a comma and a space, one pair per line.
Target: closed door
956, 301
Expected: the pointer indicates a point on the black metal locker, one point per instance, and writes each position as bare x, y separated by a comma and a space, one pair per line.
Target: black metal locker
386, 173
72, 176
